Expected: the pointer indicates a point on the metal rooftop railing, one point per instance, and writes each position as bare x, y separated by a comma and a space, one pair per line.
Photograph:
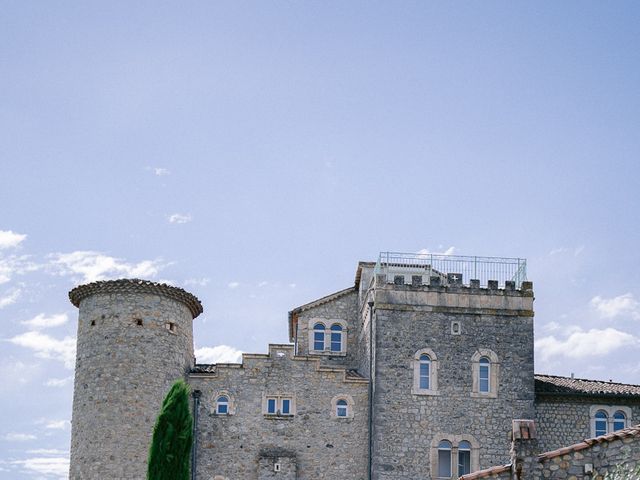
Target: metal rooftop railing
457, 269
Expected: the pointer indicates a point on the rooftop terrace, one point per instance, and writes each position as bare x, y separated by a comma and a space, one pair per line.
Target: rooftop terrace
451, 269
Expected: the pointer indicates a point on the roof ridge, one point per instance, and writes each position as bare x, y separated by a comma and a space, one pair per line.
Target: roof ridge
585, 379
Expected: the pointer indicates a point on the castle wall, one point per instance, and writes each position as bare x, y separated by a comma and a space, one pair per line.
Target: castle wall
245, 442
344, 308
409, 426
126, 361
565, 420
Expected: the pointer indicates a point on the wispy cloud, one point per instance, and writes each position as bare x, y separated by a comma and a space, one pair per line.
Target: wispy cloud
10, 297
179, 218
233, 284
10, 239
58, 382
19, 437
617, 306
201, 282
161, 172
449, 251
218, 354
11, 265
90, 266
575, 251
57, 424
583, 344
43, 321
45, 466
48, 347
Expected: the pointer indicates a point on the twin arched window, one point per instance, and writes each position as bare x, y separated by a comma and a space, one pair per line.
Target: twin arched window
454, 456
331, 340
608, 419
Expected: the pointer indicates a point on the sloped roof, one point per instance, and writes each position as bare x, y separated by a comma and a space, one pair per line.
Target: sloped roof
609, 437
328, 298
487, 472
554, 385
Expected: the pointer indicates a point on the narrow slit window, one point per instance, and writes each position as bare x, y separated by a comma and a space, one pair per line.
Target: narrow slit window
425, 372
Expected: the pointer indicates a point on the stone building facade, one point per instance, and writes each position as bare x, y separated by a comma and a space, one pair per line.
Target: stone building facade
414, 372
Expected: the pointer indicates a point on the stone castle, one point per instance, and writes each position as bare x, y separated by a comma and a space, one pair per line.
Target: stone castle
417, 371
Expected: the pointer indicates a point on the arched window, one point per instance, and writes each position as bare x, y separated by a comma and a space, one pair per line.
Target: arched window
318, 337
601, 423
336, 337
484, 383
485, 367
464, 458
222, 405
619, 420
444, 459
425, 371
342, 408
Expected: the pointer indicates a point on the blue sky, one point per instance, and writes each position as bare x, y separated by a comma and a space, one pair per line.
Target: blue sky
253, 152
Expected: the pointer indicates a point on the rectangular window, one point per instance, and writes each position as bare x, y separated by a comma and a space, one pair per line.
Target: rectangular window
336, 341
271, 405
318, 341
484, 378
444, 463
424, 376
464, 462
286, 406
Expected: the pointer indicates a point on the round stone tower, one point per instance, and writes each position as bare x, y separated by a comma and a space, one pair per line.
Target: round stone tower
135, 338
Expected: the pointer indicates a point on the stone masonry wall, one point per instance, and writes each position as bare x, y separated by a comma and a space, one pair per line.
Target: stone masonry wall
343, 308
621, 455
126, 362
410, 318
564, 421
234, 447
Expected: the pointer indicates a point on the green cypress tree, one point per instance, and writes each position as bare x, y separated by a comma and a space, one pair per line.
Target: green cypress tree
169, 454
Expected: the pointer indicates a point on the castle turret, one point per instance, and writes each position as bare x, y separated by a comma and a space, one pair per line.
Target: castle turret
135, 338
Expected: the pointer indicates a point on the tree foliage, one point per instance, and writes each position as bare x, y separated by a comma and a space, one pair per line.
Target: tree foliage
169, 454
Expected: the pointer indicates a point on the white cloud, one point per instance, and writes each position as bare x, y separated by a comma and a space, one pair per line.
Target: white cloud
161, 172
218, 354
19, 437
43, 321
48, 347
15, 265
583, 344
449, 251
9, 239
263, 283
616, 306
91, 266
10, 297
58, 382
57, 424
47, 451
50, 466
233, 284
576, 251
179, 218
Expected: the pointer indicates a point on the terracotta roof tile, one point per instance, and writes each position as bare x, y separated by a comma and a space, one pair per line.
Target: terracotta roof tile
554, 385
609, 437
487, 472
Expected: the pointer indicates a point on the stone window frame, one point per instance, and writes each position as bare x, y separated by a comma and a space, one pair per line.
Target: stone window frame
610, 410
494, 373
279, 397
455, 441
334, 406
328, 323
433, 373
231, 404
